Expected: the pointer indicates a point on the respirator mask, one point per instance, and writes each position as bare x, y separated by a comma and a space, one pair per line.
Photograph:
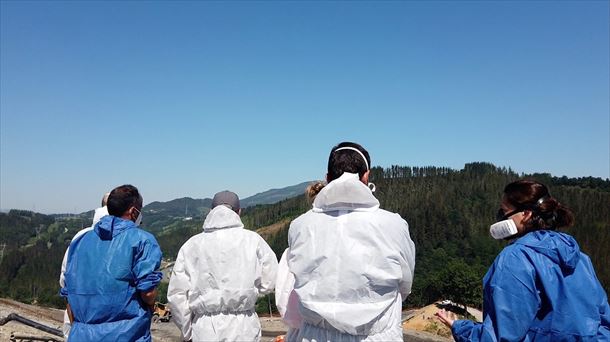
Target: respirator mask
505, 226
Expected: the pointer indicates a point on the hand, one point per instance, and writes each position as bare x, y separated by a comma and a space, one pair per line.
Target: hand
446, 317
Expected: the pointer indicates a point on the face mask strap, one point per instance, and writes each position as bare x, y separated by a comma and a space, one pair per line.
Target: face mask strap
357, 150
541, 200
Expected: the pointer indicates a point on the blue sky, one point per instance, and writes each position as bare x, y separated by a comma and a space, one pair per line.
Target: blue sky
190, 98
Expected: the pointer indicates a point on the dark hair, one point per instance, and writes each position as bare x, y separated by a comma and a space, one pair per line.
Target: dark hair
347, 161
547, 212
122, 198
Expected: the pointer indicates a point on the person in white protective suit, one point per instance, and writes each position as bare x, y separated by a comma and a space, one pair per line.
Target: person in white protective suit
99, 213
349, 264
218, 276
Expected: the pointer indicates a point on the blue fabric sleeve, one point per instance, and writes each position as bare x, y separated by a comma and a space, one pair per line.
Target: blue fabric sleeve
147, 261
464, 331
512, 302
63, 292
603, 333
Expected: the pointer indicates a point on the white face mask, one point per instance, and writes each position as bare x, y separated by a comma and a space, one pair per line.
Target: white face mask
503, 229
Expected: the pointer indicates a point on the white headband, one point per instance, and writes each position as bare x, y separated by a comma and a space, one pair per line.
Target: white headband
357, 150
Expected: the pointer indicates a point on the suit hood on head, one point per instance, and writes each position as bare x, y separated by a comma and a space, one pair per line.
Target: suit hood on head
222, 217
345, 193
110, 226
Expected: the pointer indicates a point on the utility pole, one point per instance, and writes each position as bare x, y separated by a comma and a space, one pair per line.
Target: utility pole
2, 246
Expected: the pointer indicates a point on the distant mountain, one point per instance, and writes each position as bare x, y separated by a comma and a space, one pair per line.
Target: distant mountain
159, 215
275, 195
184, 206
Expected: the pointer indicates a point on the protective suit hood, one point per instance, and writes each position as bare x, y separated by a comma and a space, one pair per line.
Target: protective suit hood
110, 226
559, 247
222, 217
345, 193
99, 213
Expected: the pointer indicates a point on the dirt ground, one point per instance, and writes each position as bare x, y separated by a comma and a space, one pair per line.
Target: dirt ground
416, 328
50, 317
162, 332
424, 320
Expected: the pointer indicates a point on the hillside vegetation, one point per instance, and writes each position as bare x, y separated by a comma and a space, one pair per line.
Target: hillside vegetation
449, 212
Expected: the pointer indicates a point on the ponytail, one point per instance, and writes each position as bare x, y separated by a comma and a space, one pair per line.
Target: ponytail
547, 212
313, 189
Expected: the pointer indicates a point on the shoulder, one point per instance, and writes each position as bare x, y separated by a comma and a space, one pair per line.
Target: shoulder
81, 233
390, 216
515, 261
193, 241
512, 254
253, 236
304, 219
141, 235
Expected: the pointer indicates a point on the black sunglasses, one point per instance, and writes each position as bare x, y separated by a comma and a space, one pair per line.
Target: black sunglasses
501, 216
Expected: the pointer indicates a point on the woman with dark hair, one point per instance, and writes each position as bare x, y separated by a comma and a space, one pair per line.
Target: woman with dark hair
349, 264
541, 287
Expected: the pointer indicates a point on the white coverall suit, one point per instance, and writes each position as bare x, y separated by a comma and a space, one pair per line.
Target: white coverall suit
217, 278
348, 267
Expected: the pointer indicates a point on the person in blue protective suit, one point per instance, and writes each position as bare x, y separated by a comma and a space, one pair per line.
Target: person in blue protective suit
541, 287
98, 214
112, 274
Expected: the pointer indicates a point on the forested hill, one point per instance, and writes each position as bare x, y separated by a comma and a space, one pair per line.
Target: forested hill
449, 212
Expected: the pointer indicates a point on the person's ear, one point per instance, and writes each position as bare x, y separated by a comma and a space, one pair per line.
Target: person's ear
365, 177
135, 213
526, 218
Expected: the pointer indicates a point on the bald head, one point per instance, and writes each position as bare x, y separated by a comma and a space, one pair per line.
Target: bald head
105, 199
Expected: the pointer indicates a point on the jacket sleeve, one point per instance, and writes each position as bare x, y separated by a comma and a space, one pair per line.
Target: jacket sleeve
407, 251
268, 262
178, 296
147, 261
285, 297
511, 303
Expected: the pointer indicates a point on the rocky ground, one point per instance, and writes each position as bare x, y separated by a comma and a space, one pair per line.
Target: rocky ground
53, 318
162, 332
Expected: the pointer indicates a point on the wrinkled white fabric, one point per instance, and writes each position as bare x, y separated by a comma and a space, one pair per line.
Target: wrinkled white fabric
97, 216
286, 298
217, 278
353, 265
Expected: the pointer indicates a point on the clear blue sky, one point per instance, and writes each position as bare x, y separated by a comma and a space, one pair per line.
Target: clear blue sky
190, 98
